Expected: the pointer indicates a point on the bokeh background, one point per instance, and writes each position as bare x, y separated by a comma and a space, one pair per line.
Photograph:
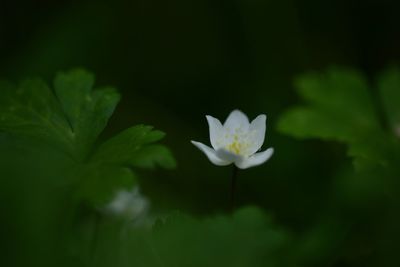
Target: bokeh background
176, 61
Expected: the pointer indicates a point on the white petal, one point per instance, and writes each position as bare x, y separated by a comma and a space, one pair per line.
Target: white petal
228, 156
257, 133
237, 119
216, 131
255, 160
211, 154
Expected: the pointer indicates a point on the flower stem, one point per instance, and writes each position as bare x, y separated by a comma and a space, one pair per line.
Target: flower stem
233, 187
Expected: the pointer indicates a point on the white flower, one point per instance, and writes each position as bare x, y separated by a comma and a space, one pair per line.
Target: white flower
237, 141
129, 204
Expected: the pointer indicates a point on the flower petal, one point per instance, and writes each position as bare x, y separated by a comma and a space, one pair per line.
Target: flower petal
236, 119
228, 156
216, 131
211, 154
257, 133
255, 160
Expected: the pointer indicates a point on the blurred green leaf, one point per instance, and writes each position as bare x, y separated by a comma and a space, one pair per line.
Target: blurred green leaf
152, 156
133, 147
340, 92
98, 183
339, 108
115, 158
72, 119
87, 111
247, 238
132, 138
305, 122
31, 109
389, 86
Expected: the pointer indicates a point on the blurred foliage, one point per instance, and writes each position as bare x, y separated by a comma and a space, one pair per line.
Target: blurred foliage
247, 238
72, 119
60, 158
49, 140
340, 108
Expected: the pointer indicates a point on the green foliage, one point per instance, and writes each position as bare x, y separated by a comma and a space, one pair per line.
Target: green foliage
340, 108
86, 110
71, 118
135, 147
31, 109
388, 85
249, 237
58, 176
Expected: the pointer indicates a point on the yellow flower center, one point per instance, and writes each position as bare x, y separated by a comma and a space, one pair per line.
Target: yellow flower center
236, 146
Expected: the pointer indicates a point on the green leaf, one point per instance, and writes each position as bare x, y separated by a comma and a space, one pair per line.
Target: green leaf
306, 122
339, 108
389, 86
74, 89
71, 121
342, 94
247, 238
31, 109
332, 85
109, 164
87, 111
99, 183
133, 147
152, 156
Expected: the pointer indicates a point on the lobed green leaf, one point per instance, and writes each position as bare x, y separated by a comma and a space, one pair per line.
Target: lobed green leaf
339, 108
71, 118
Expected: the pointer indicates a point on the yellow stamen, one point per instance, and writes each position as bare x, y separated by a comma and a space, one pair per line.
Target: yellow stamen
234, 147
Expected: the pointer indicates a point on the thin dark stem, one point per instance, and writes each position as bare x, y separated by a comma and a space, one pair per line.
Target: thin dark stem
233, 187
